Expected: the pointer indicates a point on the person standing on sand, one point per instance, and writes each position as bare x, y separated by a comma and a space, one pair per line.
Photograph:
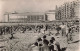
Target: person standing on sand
45, 45
34, 48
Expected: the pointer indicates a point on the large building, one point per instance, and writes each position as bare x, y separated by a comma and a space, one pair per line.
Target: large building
69, 10
25, 17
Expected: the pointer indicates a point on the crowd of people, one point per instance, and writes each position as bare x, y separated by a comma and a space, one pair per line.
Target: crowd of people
65, 29
38, 28
43, 44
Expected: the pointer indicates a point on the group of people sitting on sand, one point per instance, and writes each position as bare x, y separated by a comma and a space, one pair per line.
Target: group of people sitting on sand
42, 44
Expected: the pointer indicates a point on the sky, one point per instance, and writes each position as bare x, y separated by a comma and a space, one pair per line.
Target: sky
28, 6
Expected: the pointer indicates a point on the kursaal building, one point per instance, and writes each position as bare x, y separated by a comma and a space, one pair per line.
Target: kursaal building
25, 17
30, 16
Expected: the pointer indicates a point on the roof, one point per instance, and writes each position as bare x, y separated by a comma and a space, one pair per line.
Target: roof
28, 13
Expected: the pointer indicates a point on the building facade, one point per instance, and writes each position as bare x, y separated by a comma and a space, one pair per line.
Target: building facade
26, 17
69, 10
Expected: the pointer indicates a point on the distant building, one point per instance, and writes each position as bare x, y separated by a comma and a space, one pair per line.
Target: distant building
67, 11
50, 15
25, 17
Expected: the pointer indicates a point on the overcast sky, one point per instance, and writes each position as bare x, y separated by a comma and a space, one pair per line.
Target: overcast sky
28, 5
